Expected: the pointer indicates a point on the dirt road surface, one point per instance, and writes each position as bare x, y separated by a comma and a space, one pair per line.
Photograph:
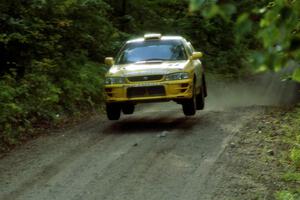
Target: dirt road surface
157, 153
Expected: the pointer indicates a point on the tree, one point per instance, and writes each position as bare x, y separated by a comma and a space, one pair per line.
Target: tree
275, 25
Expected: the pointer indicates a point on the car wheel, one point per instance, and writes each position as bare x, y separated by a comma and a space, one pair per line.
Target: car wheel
200, 100
189, 106
113, 111
204, 86
128, 109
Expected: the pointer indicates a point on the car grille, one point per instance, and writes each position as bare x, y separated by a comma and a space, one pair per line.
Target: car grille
145, 78
146, 91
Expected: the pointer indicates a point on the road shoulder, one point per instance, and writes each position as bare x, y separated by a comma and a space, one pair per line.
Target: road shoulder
257, 163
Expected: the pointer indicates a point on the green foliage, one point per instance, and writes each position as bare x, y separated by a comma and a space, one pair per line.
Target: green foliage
295, 156
275, 25
296, 75
36, 98
292, 176
285, 195
49, 64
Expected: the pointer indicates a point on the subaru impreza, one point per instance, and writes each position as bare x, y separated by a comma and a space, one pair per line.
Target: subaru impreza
155, 68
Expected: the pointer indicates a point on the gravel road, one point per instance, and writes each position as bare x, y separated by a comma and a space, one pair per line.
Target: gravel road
156, 153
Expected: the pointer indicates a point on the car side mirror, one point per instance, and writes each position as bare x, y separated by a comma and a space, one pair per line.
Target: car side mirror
109, 61
196, 55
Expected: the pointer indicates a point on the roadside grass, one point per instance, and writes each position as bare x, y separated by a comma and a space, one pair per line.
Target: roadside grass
290, 156
291, 176
274, 139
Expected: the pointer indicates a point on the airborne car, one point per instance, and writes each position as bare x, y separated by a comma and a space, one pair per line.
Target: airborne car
155, 68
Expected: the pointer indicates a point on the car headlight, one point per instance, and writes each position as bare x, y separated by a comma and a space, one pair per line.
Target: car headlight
177, 76
114, 80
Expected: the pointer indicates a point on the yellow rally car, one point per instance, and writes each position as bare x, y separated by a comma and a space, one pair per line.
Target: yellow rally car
155, 68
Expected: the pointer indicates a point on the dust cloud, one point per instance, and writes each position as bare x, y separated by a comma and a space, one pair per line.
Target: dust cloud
264, 90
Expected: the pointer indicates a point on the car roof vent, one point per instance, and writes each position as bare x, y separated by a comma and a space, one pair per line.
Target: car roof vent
152, 36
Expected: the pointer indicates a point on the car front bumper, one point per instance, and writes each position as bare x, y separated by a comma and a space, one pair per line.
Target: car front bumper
149, 91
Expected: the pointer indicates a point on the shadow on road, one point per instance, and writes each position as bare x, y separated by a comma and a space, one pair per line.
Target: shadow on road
134, 125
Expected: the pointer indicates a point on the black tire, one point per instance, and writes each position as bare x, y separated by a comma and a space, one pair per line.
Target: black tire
200, 99
128, 109
204, 86
189, 106
113, 111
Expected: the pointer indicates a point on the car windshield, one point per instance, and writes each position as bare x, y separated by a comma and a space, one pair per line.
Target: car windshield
154, 50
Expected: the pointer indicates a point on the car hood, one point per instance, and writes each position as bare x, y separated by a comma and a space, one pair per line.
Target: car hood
153, 68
